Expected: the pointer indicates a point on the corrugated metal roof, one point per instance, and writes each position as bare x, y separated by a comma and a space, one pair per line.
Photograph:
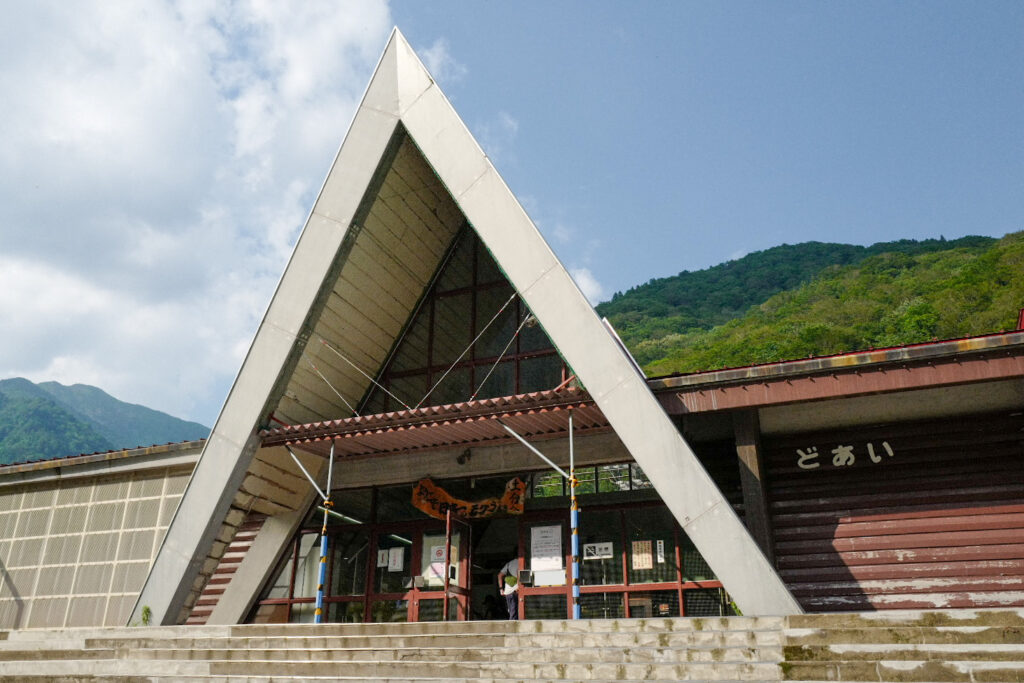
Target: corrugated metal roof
538, 415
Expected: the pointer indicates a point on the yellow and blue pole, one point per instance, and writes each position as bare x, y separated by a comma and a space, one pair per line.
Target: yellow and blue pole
318, 615
574, 513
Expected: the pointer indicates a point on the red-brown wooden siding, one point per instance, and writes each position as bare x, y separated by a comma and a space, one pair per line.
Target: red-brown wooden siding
940, 523
225, 571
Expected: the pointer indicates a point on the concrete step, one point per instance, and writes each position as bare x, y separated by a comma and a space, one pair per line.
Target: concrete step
10, 655
517, 670
995, 652
371, 670
527, 626
900, 634
48, 634
896, 670
279, 679
51, 644
80, 678
921, 618
525, 640
464, 654
63, 668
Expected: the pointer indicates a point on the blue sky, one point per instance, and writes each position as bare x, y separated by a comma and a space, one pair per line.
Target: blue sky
158, 158
672, 136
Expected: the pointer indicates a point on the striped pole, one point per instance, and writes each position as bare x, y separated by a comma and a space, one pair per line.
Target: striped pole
574, 524
318, 615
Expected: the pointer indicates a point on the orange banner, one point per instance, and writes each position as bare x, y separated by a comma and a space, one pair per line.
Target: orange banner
435, 501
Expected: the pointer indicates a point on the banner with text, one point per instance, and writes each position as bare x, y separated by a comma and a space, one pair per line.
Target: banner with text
435, 501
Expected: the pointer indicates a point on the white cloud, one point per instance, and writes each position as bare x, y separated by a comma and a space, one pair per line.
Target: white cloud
156, 163
497, 136
562, 233
588, 284
440, 63
578, 251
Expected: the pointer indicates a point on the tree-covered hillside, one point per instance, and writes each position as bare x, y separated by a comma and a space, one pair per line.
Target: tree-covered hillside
123, 423
50, 420
693, 301
34, 428
887, 298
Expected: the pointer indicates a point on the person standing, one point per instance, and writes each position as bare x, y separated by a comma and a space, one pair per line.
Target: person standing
508, 584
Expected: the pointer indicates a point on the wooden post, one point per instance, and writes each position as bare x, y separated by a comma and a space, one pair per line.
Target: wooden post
747, 428
447, 561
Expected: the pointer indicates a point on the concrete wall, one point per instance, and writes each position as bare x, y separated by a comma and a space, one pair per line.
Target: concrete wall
76, 541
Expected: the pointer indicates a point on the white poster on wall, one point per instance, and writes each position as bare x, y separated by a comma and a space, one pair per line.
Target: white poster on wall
396, 559
382, 557
435, 572
546, 548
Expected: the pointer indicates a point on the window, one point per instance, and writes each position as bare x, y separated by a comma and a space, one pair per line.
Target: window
470, 300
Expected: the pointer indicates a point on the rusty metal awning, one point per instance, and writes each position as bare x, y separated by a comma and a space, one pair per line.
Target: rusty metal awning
535, 416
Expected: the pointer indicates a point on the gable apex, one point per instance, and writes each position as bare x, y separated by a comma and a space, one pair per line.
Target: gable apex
399, 79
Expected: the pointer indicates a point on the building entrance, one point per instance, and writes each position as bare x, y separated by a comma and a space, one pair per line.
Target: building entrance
495, 543
410, 566
389, 561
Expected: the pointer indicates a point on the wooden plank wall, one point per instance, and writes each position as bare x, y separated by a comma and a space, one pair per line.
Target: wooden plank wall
226, 568
939, 523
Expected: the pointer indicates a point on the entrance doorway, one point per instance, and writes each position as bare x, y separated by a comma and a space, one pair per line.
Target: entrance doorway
495, 543
409, 572
387, 558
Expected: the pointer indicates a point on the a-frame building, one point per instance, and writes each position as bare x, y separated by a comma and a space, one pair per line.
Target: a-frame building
409, 194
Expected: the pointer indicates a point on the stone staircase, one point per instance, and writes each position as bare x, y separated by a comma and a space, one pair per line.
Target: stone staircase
955, 645
950, 645
734, 649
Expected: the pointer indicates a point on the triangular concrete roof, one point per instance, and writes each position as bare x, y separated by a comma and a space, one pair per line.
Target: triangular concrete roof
358, 261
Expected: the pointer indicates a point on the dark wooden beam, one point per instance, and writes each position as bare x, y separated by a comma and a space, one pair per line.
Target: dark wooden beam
747, 428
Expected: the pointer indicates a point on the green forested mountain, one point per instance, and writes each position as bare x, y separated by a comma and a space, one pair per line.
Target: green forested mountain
125, 424
700, 300
816, 299
50, 420
34, 428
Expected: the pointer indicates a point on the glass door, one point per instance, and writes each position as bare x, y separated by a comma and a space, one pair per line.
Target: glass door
443, 574
408, 582
544, 552
392, 584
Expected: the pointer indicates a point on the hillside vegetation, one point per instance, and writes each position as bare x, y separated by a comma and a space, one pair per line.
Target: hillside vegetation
50, 420
884, 295
702, 299
33, 428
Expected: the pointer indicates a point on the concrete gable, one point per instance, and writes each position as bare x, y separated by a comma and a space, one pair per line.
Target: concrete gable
323, 277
